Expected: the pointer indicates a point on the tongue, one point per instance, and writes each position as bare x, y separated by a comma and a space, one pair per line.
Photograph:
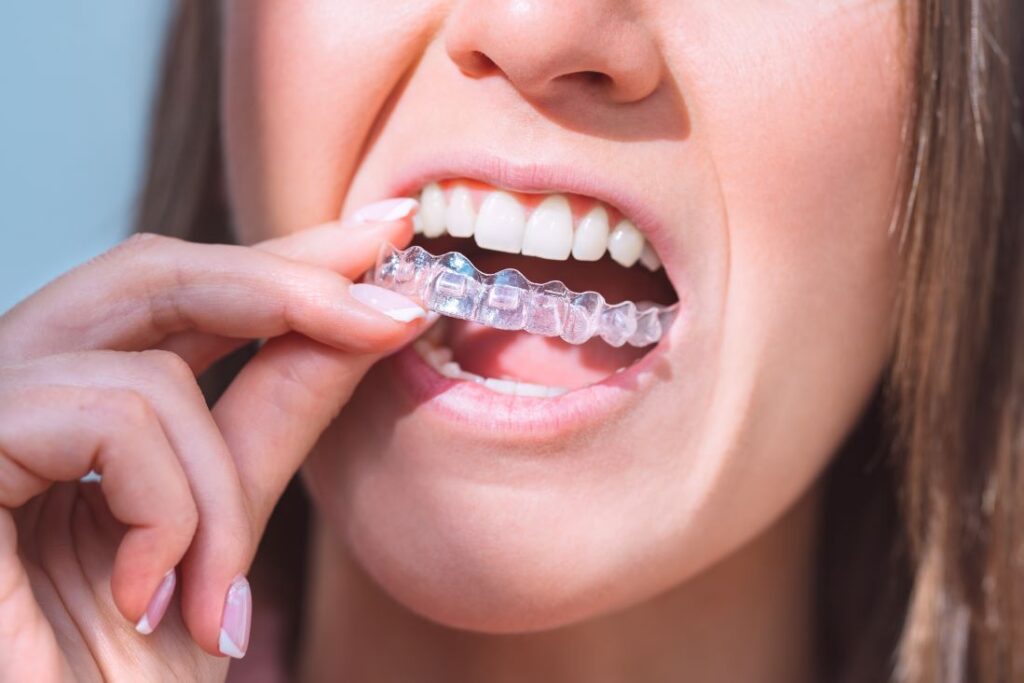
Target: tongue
530, 358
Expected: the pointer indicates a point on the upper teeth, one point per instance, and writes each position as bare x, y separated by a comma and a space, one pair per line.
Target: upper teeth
502, 224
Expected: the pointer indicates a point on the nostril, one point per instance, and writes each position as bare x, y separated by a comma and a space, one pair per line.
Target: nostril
596, 80
595, 77
476, 63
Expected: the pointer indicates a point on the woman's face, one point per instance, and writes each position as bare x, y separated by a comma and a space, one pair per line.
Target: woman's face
756, 147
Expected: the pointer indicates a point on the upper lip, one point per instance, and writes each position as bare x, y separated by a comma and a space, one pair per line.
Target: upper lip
536, 177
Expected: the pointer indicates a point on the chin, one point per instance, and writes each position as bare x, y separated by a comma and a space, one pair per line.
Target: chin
504, 550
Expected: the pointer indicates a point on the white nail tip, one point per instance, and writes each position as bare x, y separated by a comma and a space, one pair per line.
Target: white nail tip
144, 626
548, 233
228, 646
404, 315
401, 209
500, 224
384, 211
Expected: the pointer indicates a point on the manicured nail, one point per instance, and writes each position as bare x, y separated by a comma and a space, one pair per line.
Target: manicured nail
157, 605
391, 304
237, 619
384, 211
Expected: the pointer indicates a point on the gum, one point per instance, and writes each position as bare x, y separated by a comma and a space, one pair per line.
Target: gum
450, 285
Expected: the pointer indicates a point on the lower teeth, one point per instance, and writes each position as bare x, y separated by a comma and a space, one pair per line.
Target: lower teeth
440, 358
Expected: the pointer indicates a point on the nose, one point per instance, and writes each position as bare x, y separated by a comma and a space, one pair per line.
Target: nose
553, 48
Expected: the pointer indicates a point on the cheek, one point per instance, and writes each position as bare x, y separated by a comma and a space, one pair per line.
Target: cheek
801, 113
303, 84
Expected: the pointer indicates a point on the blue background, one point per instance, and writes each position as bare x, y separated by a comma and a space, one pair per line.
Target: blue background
77, 78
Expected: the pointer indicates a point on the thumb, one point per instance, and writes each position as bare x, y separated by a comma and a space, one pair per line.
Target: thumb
280, 403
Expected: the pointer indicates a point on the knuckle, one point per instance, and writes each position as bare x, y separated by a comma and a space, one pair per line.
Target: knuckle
122, 407
140, 242
137, 247
188, 518
167, 365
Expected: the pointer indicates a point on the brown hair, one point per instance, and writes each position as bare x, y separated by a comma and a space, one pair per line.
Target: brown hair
921, 574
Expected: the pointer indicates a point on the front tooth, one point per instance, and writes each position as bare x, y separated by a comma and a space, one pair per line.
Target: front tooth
549, 230
460, 215
649, 258
500, 224
591, 238
502, 386
432, 210
625, 243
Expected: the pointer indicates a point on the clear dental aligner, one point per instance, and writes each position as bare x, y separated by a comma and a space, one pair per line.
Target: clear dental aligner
452, 286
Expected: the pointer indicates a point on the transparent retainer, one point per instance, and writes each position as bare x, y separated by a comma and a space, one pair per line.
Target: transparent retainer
450, 285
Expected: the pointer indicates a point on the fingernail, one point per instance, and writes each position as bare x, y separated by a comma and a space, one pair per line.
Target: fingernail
234, 625
391, 304
157, 605
383, 211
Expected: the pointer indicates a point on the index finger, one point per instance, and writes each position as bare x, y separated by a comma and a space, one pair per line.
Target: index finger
151, 287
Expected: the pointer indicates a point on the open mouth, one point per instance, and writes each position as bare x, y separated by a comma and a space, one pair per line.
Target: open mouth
559, 239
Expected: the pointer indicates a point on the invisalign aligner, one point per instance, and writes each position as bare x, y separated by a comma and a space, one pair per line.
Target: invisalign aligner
452, 286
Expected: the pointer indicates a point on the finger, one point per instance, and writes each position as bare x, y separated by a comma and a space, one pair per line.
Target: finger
59, 433
28, 645
222, 543
276, 408
355, 251
150, 287
350, 250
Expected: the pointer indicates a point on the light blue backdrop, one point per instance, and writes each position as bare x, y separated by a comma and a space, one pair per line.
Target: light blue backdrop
76, 78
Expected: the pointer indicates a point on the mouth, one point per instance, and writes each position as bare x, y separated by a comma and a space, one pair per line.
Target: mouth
589, 245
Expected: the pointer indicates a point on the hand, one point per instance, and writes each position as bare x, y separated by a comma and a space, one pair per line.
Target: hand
98, 372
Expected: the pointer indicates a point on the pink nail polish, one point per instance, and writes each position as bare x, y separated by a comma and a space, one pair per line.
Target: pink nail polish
157, 605
391, 304
237, 619
383, 211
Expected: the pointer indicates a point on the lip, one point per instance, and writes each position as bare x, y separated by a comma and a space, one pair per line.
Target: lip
535, 177
494, 416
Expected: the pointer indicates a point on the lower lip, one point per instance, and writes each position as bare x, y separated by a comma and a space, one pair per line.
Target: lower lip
495, 416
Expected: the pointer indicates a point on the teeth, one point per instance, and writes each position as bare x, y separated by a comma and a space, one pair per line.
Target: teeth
549, 230
460, 216
502, 386
527, 389
501, 223
591, 238
432, 210
649, 258
440, 358
625, 244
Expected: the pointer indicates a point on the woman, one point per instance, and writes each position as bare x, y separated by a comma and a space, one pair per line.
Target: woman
812, 475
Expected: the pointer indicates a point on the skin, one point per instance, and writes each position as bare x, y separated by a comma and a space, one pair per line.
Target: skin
763, 140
